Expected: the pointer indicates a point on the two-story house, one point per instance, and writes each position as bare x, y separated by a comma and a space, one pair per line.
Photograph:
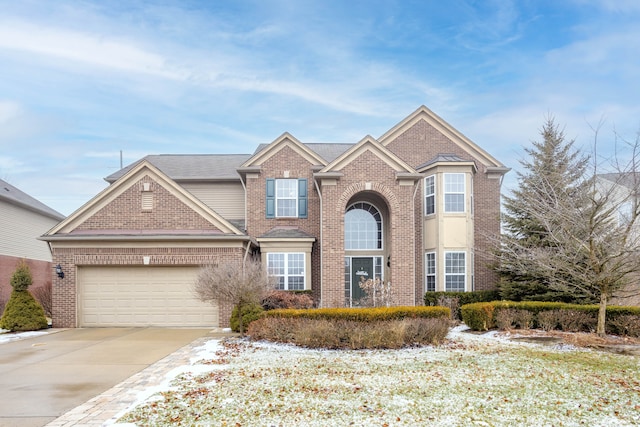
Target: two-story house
414, 207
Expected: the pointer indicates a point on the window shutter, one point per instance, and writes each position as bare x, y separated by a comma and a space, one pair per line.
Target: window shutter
271, 198
302, 198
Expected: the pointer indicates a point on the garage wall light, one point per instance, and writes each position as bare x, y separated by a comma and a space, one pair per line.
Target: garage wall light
59, 271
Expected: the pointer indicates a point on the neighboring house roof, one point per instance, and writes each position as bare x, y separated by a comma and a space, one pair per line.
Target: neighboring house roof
191, 167
12, 195
629, 180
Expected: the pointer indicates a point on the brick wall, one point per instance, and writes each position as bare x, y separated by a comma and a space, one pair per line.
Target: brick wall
258, 224
421, 143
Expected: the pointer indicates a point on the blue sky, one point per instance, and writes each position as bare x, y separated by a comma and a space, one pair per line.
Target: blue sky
82, 80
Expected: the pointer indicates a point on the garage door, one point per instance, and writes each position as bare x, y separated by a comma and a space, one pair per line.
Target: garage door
141, 296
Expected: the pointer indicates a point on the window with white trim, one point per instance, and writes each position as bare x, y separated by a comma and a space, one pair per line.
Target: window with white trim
288, 269
362, 227
286, 197
455, 271
430, 271
430, 195
454, 192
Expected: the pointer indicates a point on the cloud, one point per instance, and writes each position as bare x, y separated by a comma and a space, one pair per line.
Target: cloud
84, 48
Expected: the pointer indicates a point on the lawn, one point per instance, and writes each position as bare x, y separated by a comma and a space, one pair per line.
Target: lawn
472, 380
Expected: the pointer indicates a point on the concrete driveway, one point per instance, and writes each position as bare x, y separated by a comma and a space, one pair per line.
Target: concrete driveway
43, 377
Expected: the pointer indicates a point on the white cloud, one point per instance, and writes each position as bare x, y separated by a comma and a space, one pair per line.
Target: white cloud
84, 48
9, 110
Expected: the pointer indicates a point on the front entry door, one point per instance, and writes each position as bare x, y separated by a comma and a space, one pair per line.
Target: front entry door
361, 270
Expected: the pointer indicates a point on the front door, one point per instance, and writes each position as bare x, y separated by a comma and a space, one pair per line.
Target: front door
361, 270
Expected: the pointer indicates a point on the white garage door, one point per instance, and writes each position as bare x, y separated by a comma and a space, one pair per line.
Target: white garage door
141, 296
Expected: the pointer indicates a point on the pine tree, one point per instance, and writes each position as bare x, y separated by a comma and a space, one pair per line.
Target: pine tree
22, 312
553, 171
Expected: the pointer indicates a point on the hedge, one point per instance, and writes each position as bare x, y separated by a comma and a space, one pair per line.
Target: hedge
432, 298
481, 316
363, 314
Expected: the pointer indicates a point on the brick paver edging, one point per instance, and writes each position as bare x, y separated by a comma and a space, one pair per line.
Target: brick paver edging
106, 408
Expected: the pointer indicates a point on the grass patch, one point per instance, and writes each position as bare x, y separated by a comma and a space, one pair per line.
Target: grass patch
463, 382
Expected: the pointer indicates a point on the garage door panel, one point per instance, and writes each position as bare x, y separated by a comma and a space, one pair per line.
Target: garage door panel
141, 296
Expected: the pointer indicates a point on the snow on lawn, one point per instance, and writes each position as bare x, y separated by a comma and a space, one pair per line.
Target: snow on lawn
6, 336
482, 380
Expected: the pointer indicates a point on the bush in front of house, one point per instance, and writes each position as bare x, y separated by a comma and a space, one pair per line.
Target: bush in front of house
340, 333
22, 312
354, 328
454, 300
549, 316
250, 312
277, 299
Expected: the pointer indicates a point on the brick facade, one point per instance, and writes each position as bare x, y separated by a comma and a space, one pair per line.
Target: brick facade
127, 229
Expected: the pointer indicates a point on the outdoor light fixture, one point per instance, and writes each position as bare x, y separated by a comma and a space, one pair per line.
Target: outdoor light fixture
389, 261
59, 271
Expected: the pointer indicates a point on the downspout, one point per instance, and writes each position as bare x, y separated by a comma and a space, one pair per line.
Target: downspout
414, 233
315, 182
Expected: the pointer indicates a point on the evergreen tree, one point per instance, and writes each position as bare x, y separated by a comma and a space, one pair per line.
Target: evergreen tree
22, 312
554, 171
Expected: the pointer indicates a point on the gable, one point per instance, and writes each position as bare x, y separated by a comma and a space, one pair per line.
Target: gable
423, 135
374, 148
144, 201
285, 140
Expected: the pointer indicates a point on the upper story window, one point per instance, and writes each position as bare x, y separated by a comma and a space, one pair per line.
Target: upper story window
362, 227
286, 198
430, 195
454, 192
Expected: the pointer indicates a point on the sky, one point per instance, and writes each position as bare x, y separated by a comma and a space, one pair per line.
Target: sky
83, 81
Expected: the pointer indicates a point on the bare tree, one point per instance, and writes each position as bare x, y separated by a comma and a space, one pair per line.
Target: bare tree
234, 284
593, 237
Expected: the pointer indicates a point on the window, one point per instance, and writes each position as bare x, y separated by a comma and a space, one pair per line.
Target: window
430, 195
286, 198
430, 271
454, 271
288, 269
454, 192
362, 227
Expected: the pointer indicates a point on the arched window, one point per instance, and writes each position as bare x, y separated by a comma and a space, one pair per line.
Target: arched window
362, 227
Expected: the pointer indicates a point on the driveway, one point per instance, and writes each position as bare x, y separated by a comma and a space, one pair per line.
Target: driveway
43, 377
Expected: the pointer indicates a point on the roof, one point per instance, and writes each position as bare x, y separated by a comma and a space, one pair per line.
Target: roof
628, 180
285, 232
14, 196
328, 151
442, 158
191, 167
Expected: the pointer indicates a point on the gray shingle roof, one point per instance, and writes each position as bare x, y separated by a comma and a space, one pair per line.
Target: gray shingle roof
285, 232
441, 158
194, 167
327, 151
14, 196
628, 180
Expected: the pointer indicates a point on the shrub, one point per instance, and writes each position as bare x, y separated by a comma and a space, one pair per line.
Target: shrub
576, 320
548, 320
478, 316
625, 325
365, 314
350, 334
43, 294
250, 312
508, 318
452, 303
277, 299
431, 298
23, 313
21, 278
